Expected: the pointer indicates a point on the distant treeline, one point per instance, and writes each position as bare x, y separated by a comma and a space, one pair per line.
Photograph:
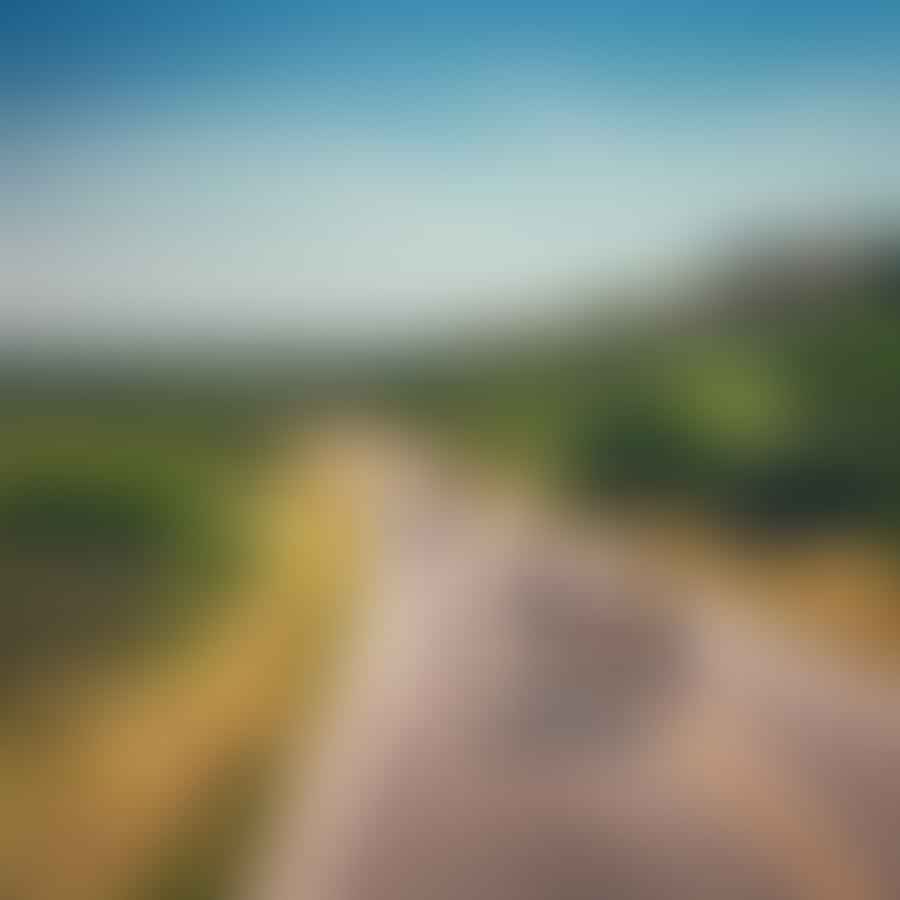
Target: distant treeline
771, 399
769, 391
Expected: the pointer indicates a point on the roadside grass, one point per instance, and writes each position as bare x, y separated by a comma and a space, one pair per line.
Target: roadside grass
147, 769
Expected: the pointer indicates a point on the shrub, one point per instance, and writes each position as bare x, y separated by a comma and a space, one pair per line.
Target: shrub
100, 550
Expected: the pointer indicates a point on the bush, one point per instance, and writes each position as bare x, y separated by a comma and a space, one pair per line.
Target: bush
633, 450
100, 550
802, 490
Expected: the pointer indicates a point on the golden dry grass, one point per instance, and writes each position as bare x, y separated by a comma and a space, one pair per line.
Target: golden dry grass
838, 592
137, 763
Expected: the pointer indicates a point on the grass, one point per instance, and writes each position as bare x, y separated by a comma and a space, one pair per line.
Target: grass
149, 767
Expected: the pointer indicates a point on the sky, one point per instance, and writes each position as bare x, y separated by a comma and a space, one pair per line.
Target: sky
357, 170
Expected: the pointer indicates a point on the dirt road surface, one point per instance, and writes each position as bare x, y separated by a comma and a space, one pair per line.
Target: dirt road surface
524, 721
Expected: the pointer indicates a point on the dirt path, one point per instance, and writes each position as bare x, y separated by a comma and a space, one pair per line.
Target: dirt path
525, 721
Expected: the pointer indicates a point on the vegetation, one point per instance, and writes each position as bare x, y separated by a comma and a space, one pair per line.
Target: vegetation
104, 545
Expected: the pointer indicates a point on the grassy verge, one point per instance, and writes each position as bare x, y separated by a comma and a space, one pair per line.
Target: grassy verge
150, 766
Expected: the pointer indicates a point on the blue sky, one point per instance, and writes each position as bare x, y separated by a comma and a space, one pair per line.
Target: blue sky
344, 169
